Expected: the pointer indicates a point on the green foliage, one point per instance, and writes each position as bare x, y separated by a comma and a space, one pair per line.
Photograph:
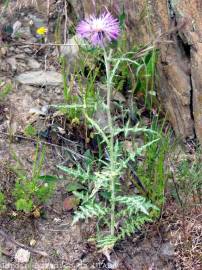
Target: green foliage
135, 204
136, 75
145, 74
2, 202
152, 170
30, 131
32, 191
24, 205
66, 89
6, 3
188, 179
75, 94
89, 209
132, 224
4, 91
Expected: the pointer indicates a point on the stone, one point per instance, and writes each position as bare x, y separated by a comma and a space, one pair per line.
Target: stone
12, 62
28, 50
3, 51
44, 109
21, 56
40, 78
36, 111
70, 203
167, 250
33, 63
24, 32
16, 26
32, 242
22, 256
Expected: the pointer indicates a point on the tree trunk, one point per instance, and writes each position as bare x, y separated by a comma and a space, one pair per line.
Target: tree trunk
179, 82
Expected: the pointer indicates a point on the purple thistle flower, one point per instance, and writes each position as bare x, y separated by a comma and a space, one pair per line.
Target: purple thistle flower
98, 30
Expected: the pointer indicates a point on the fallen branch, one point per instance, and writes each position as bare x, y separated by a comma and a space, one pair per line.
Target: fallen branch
13, 241
42, 142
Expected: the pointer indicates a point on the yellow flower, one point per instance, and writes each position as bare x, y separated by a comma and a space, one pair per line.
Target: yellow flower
41, 31
75, 121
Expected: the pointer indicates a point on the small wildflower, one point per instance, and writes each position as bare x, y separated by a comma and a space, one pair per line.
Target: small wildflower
98, 30
41, 31
75, 121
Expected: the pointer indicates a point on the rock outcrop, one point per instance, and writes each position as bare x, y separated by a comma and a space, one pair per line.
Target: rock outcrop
179, 82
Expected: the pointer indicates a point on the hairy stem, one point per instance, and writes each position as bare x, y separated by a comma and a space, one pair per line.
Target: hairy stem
107, 59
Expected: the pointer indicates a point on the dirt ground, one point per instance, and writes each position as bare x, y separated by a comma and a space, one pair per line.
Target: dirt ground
66, 246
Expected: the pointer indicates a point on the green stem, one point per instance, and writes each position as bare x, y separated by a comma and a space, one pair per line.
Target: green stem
107, 60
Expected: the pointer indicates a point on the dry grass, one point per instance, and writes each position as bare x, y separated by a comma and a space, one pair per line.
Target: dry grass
186, 235
26, 3
18, 4
42, 6
189, 250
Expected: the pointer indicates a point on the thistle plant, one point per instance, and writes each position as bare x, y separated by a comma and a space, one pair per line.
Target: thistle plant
118, 213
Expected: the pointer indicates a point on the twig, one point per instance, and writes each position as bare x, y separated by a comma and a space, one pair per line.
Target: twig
43, 44
48, 9
32, 250
45, 143
25, 44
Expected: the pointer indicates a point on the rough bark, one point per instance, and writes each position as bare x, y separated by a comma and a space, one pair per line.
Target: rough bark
180, 63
